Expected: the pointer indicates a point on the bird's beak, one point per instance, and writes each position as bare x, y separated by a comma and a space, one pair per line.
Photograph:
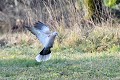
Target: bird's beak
58, 36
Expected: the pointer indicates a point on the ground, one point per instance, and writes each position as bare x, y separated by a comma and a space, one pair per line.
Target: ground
18, 63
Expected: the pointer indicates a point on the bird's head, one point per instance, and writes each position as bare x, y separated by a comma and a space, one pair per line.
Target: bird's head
55, 33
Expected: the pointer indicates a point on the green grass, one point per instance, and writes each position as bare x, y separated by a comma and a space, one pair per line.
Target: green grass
18, 63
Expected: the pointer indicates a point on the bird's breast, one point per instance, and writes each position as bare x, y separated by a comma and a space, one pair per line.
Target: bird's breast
50, 42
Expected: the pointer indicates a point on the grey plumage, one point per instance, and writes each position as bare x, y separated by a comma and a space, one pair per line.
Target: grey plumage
46, 37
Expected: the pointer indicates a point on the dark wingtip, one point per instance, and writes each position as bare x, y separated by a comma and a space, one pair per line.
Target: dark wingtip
39, 25
40, 22
27, 27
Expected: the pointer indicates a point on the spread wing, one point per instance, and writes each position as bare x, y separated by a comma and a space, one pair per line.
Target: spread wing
41, 31
42, 27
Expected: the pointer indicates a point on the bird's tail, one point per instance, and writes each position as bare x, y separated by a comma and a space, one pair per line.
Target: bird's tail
44, 55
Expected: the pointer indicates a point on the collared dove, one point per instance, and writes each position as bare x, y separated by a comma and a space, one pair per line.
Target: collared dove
42, 32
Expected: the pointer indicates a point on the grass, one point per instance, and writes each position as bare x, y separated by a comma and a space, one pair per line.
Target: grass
81, 52
96, 57
18, 63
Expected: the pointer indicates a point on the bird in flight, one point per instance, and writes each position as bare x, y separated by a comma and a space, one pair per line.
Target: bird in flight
46, 37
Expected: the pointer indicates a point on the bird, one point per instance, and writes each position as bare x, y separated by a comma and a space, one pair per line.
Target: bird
46, 37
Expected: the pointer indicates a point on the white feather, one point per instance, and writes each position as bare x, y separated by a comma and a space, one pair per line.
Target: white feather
40, 58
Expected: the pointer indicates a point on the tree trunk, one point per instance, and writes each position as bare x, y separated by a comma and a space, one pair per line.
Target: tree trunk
95, 10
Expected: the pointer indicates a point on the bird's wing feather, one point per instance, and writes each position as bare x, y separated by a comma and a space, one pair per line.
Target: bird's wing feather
42, 27
40, 35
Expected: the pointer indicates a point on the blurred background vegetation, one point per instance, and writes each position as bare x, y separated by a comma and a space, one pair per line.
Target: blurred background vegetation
87, 48
87, 25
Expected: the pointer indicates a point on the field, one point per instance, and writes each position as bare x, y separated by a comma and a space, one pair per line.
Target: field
18, 63
87, 46
97, 57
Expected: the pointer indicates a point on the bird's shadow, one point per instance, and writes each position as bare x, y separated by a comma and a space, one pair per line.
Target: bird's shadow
22, 62
19, 62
